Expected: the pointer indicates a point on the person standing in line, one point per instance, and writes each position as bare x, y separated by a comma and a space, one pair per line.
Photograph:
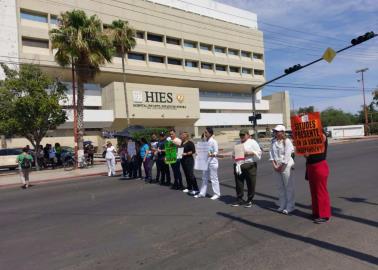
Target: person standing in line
110, 158
317, 172
24, 161
187, 163
165, 175
280, 153
123, 155
154, 147
138, 161
212, 170
146, 155
245, 170
177, 185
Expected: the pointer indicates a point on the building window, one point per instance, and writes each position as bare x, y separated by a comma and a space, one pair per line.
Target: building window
191, 63
54, 19
156, 58
139, 34
245, 54
207, 111
258, 56
174, 61
235, 69
206, 47
246, 70
259, 72
221, 67
220, 49
33, 42
206, 66
173, 41
233, 52
137, 56
190, 44
33, 16
154, 37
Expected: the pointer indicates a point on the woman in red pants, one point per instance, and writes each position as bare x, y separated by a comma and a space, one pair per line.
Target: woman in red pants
317, 172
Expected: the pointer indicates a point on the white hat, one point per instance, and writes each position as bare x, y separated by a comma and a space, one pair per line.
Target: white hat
279, 128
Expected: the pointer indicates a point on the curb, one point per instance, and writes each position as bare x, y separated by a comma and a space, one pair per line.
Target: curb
60, 179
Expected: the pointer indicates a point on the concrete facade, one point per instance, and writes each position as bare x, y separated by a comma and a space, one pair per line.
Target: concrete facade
200, 50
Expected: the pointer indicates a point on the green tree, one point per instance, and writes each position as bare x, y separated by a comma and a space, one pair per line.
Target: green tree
81, 43
29, 101
335, 117
309, 109
123, 39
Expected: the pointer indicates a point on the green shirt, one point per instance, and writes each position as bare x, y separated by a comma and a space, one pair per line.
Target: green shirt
20, 158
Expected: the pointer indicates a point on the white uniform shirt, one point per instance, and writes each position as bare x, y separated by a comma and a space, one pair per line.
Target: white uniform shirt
281, 152
110, 152
213, 149
251, 145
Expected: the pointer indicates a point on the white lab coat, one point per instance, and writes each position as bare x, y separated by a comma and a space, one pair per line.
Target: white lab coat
280, 152
212, 172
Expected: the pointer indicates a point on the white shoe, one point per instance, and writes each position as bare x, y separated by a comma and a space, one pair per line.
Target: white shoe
185, 190
215, 197
285, 212
198, 196
193, 192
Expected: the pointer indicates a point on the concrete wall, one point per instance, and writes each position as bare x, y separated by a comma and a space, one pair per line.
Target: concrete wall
346, 131
280, 103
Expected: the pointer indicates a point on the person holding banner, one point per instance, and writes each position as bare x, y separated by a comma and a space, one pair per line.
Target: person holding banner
165, 175
246, 155
212, 167
176, 166
145, 154
280, 153
317, 172
187, 163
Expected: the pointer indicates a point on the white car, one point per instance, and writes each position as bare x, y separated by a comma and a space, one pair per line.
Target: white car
8, 158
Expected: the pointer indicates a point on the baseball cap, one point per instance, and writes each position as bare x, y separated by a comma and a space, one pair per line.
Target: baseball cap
162, 133
244, 132
279, 128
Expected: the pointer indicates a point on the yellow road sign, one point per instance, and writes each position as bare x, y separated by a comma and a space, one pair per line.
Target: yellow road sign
329, 54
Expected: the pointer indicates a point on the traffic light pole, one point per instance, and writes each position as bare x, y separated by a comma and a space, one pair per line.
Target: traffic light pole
295, 68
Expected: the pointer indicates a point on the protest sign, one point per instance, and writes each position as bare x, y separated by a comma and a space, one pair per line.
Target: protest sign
202, 151
239, 152
131, 149
307, 133
180, 151
170, 152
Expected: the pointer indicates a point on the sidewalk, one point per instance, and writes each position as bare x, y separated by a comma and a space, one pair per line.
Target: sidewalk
12, 179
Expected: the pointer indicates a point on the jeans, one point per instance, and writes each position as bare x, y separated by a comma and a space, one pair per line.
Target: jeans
147, 164
165, 175
177, 175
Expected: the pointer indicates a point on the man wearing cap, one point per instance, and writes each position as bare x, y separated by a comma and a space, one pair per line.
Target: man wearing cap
245, 169
280, 153
165, 176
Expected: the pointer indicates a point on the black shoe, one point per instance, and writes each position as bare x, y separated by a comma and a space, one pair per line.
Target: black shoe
248, 204
320, 220
24, 187
237, 203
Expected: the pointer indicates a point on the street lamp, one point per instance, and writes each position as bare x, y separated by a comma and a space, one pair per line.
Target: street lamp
363, 93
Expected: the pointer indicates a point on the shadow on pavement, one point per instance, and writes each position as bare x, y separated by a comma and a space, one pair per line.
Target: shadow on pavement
318, 243
358, 200
336, 212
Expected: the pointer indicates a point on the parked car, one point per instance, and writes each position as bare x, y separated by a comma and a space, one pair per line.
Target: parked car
8, 158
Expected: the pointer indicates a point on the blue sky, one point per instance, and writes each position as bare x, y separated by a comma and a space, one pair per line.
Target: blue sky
299, 31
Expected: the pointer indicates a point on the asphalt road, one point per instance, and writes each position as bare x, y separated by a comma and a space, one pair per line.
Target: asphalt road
106, 223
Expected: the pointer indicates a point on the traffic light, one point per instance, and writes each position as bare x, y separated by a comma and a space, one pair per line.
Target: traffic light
293, 68
255, 117
360, 39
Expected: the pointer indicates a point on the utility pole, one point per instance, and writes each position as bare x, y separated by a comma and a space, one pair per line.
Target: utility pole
356, 41
363, 93
74, 112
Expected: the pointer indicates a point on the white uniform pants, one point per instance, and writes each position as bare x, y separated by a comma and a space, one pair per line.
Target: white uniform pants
285, 181
212, 175
111, 166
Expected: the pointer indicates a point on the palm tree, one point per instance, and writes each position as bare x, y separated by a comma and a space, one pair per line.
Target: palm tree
81, 43
123, 39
